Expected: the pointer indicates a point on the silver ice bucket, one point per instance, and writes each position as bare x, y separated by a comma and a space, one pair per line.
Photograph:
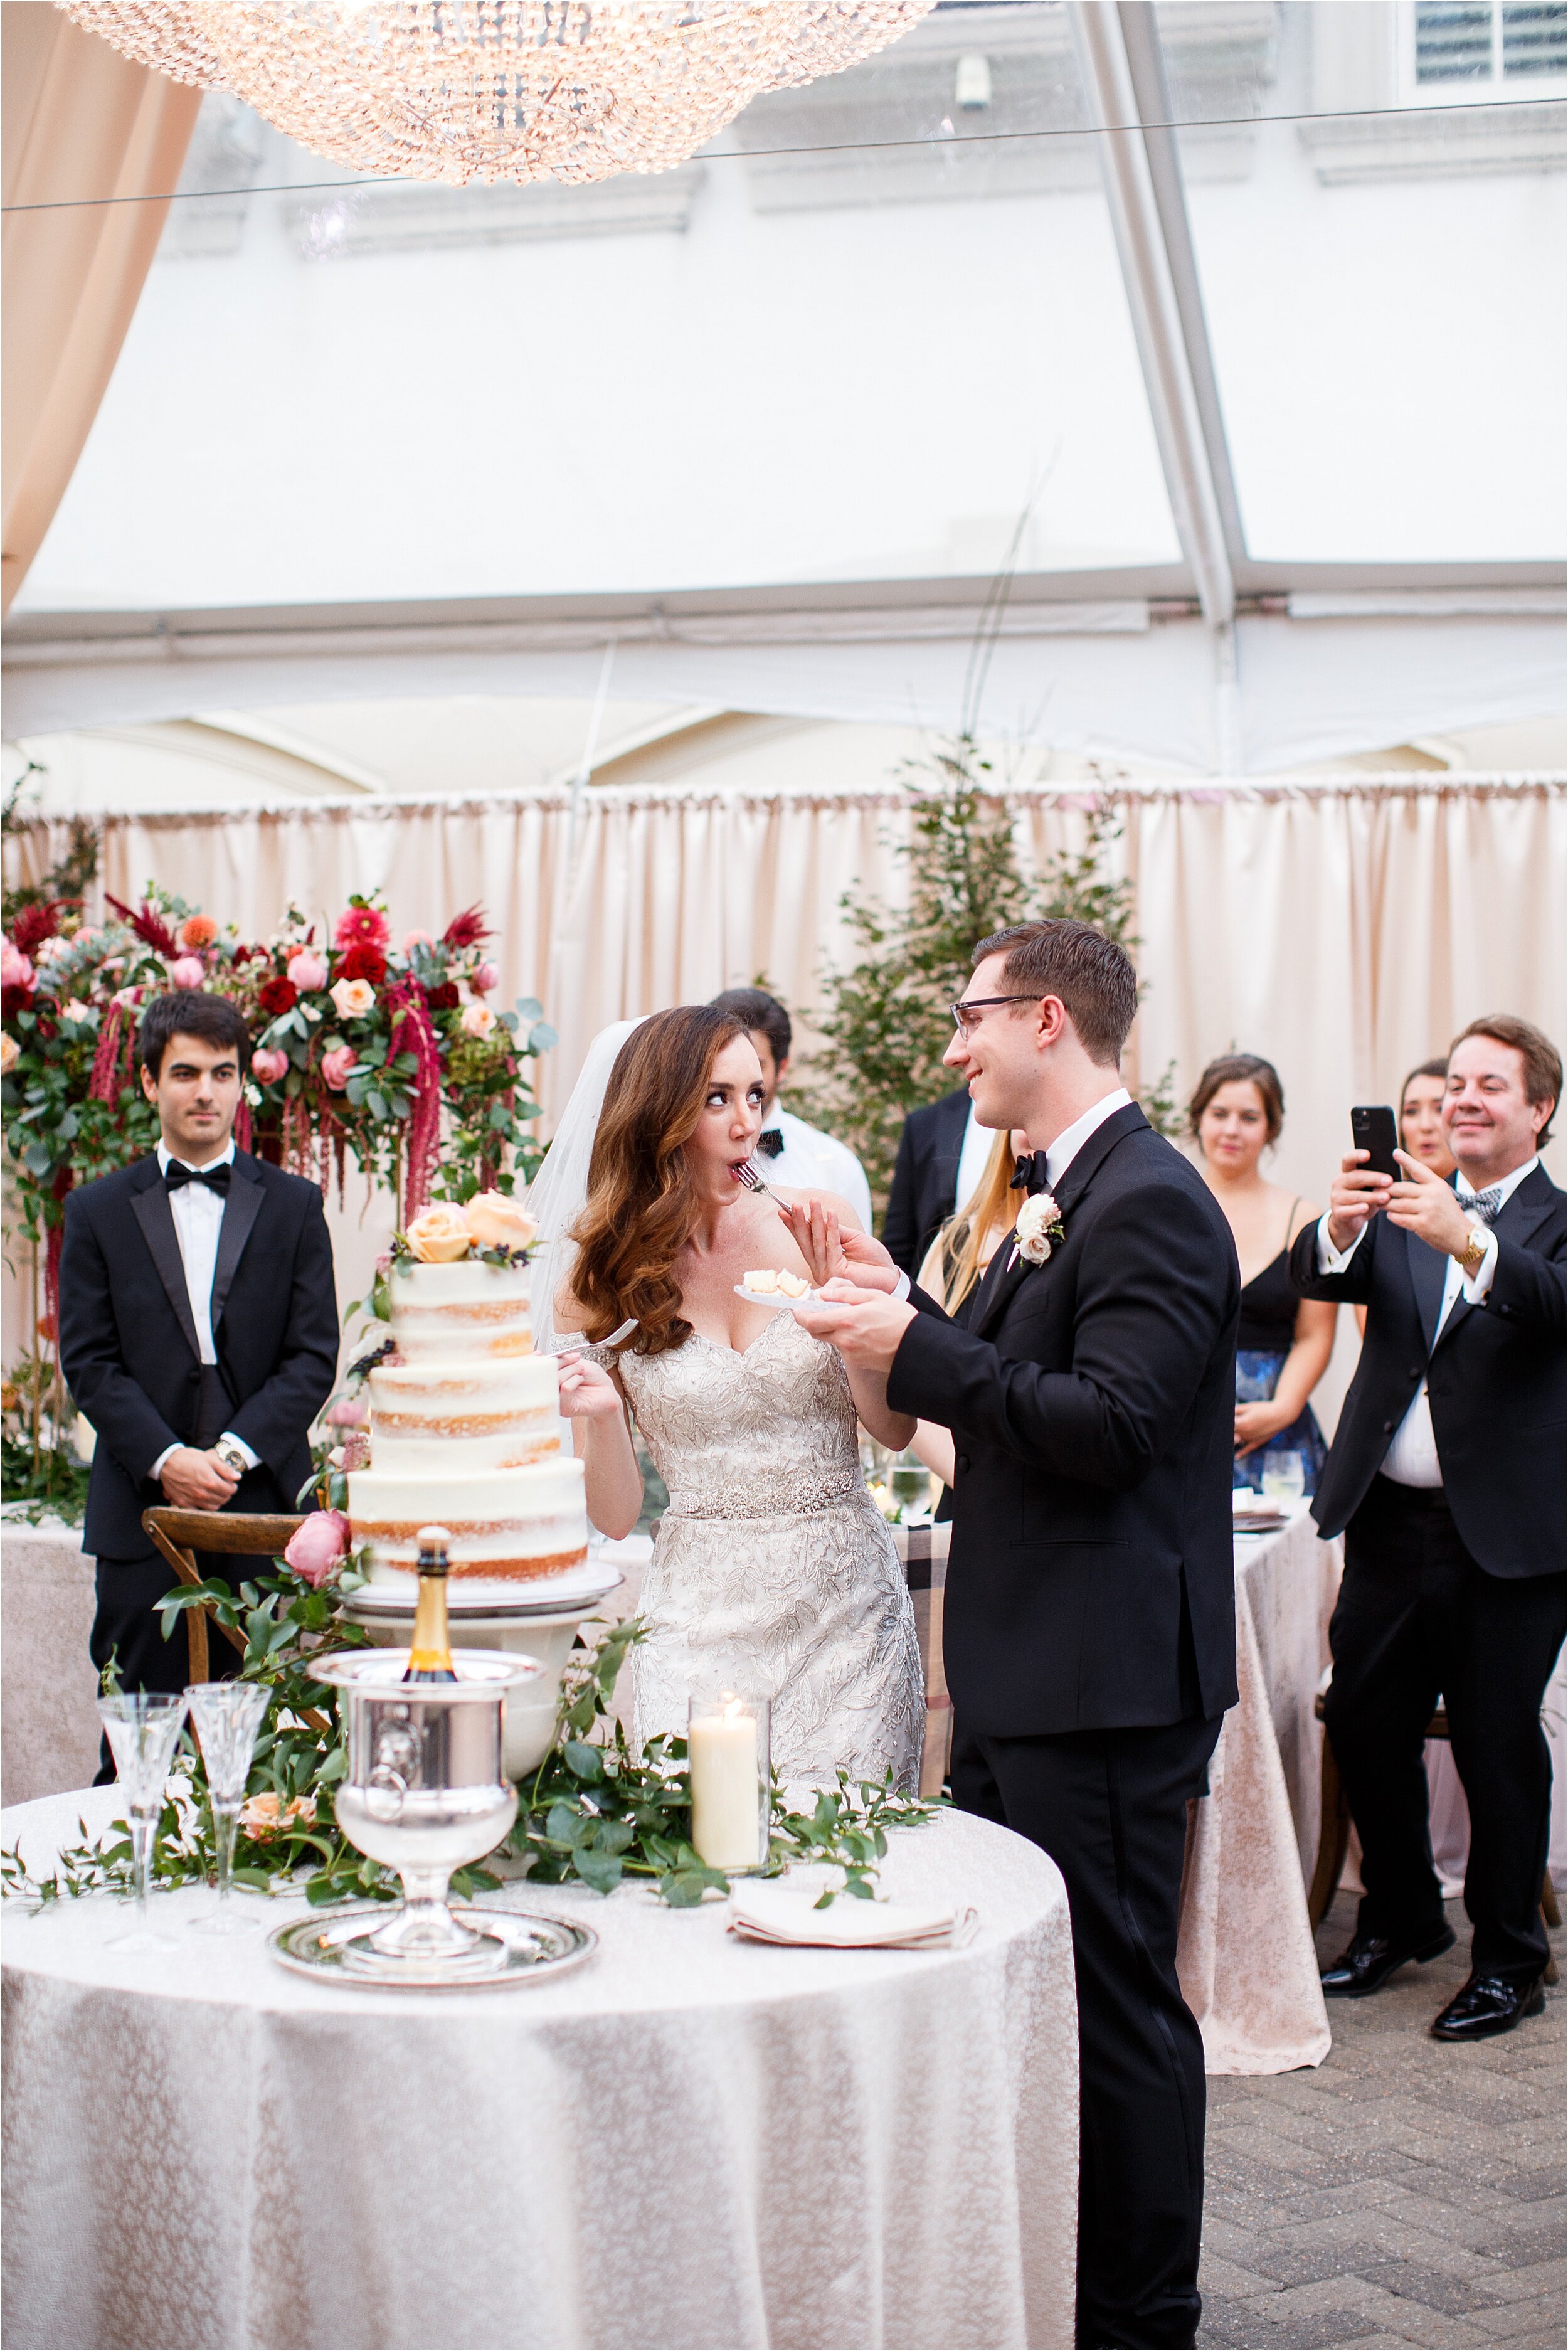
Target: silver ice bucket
426, 1791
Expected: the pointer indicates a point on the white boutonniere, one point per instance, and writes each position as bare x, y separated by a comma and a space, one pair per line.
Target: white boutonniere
1038, 1229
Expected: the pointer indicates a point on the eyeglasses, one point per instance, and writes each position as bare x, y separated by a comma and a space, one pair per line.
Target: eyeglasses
967, 1014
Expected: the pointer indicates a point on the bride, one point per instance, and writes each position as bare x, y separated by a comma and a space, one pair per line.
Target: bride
773, 1573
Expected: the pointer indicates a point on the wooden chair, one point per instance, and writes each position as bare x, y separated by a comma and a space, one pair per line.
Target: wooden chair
180, 1534
1333, 1831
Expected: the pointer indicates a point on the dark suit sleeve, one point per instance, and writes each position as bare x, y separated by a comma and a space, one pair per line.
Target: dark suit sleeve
121, 1411
1528, 1290
274, 1420
900, 1231
1353, 1287
1153, 1300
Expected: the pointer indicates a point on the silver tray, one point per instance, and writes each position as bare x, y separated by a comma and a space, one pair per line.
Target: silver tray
524, 1945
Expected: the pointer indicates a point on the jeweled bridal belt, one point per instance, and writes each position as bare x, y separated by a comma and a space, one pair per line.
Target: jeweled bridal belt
794, 1498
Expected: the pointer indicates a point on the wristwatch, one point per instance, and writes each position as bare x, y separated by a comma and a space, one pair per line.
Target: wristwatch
1470, 1257
231, 1457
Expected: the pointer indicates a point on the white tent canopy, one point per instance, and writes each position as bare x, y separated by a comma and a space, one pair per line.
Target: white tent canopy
1277, 391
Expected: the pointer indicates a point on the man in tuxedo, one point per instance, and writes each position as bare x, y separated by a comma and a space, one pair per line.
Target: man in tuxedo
1090, 1628
1446, 1475
938, 1164
198, 1328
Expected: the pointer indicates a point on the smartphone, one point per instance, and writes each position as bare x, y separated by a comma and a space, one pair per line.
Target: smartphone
1373, 1131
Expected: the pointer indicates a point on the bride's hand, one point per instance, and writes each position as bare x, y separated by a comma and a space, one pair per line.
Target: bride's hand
834, 1251
587, 1390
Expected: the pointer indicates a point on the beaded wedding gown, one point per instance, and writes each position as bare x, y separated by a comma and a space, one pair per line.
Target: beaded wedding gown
773, 1573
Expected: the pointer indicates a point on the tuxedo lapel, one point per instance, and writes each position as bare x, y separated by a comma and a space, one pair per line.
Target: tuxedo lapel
1428, 1272
998, 1288
1515, 1221
241, 1209
149, 1206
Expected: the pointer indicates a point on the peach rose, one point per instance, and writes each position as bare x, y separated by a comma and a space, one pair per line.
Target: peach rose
75, 1011
337, 1064
307, 971
440, 1235
10, 1054
497, 1222
353, 998
266, 1816
318, 1547
187, 971
48, 949
267, 1065
477, 1020
198, 931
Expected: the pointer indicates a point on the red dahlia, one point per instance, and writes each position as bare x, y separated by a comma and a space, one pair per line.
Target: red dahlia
362, 927
443, 999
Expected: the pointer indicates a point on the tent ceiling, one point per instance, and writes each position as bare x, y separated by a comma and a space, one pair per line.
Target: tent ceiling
772, 431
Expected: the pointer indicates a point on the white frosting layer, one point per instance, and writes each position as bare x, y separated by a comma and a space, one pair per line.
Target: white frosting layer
443, 1311
512, 1524
461, 1416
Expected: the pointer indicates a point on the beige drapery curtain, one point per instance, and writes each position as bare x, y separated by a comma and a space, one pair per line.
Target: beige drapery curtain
80, 121
1344, 928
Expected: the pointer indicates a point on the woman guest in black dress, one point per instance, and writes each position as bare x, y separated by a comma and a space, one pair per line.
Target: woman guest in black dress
1284, 1345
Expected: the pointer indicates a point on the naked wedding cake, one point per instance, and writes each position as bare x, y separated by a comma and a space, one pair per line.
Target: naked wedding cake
464, 1425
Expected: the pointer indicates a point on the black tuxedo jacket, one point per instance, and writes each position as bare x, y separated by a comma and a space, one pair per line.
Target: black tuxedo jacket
1494, 1380
924, 1187
128, 1350
1092, 1401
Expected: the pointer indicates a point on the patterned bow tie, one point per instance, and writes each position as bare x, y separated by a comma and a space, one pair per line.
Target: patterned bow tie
771, 1141
216, 1179
1028, 1173
1484, 1205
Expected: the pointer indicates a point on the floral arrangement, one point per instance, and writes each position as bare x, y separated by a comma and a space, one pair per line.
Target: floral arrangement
592, 1813
392, 1055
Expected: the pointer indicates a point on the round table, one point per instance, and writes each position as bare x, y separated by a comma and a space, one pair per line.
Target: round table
688, 2140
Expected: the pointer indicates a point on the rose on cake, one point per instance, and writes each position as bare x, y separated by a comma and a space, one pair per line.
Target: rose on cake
439, 1235
495, 1221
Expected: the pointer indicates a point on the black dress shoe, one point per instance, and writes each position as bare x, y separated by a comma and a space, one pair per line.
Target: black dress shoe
1368, 1962
1488, 2004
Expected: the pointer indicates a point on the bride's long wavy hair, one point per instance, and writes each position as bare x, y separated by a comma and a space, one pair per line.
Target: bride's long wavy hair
641, 1205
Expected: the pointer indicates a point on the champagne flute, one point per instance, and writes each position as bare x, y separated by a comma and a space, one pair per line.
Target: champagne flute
142, 1727
228, 1716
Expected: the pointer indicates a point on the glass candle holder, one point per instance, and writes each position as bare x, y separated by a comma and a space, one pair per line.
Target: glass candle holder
727, 1750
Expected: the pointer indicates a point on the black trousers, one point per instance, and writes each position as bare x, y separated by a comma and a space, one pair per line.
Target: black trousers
1110, 1808
1418, 1619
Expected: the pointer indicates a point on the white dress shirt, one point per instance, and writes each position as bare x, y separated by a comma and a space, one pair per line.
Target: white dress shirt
1412, 1456
812, 1161
198, 1214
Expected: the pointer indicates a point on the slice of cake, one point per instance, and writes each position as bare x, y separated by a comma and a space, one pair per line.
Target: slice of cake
464, 1429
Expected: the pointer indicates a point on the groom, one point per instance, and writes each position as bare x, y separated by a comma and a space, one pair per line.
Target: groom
1090, 1626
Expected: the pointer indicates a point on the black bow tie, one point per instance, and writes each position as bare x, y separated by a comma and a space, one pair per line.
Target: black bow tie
771, 1141
216, 1179
1028, 1173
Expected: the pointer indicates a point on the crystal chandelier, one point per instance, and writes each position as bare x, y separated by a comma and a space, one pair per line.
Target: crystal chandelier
498, 90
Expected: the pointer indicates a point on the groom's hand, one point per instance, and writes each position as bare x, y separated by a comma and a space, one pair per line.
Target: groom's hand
866, 1325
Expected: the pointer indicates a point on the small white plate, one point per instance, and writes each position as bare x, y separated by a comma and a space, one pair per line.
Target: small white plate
774, 1300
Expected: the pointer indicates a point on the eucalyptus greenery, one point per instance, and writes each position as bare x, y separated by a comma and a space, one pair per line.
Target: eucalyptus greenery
592, 1811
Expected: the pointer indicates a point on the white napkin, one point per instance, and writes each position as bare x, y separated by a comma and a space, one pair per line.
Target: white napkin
777, 1914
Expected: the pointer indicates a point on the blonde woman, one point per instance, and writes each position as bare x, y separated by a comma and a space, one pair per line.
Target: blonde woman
956, 1266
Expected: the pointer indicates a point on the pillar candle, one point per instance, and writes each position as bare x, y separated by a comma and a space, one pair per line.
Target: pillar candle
725, 1797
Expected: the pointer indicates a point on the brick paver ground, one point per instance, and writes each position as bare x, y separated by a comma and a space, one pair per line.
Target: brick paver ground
1401, 2193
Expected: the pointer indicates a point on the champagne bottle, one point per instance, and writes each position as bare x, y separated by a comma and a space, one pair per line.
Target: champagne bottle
430, 1652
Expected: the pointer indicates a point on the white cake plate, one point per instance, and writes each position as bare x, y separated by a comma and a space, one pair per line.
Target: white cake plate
577, 1587
774, 1300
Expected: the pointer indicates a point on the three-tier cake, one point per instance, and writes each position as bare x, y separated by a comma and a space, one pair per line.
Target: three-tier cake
465, 1434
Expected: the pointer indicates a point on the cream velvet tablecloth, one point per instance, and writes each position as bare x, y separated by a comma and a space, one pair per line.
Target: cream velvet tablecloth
48, 1690
689, 2140
1245, 1953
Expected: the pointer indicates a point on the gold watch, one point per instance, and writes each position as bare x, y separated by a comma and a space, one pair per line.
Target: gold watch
1475, 1250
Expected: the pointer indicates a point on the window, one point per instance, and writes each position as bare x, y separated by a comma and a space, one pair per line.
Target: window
1462, 47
